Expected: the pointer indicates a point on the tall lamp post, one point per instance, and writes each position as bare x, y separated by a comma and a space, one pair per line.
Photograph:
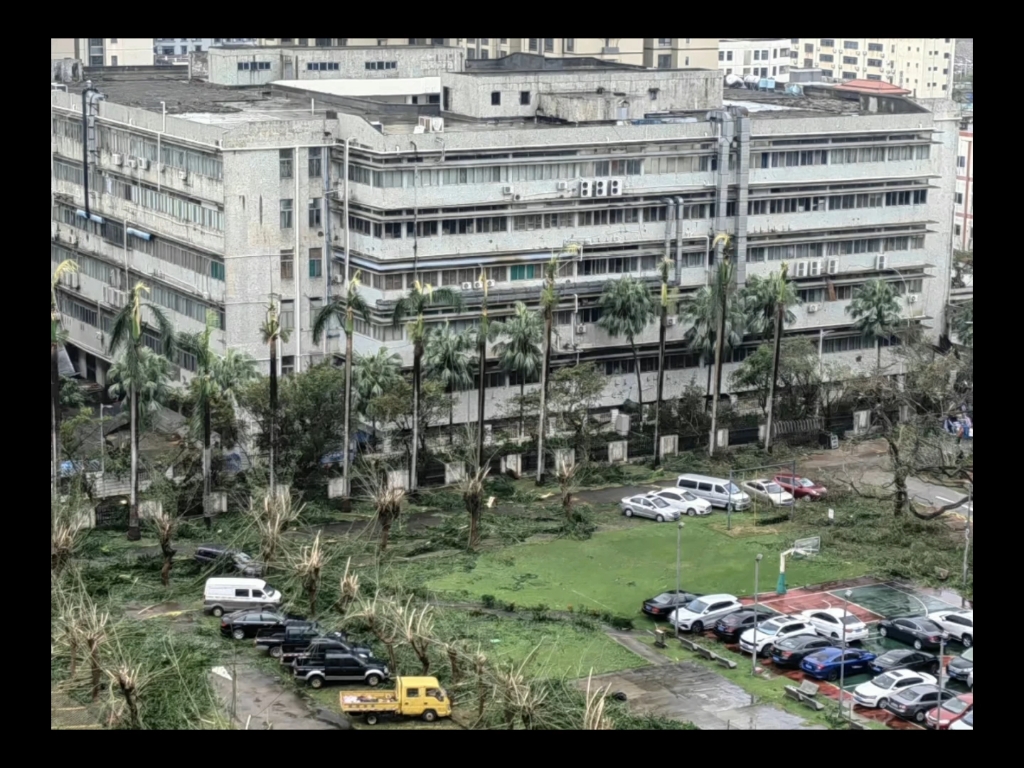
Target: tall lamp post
757, 590
842, 659
967, 542
679, 560
943, 639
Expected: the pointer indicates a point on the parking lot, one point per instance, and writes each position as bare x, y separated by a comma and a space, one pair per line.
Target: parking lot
871, 603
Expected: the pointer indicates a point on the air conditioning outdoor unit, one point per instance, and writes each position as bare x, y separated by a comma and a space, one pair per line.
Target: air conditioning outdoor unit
183, 175
507, 190
615, 188
833, 266
812, 308
424, 123
586, 189
816, 268
912, 298
467, 286
117, 159
562, 186
517, 197
144, 163
801, 269
437, 124
879, 262
133, 163
600, 189
478, 285
491, 283
581, 330
670, 321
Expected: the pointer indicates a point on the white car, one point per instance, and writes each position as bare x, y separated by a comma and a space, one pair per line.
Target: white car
683, 501
769, 492
656, 509
763, 638
876, 694
959, 625
965, 723
830, 622
702, 613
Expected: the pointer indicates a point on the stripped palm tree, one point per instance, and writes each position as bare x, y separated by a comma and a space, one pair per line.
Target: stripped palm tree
520, 353
273, 336
126, 338
667, 301
422, 297
343, 309
548, 304
57, 338
723, 288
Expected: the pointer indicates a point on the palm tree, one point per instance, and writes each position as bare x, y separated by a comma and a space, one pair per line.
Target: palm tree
626, 310
548, 304
421, 298
768, 302
375, 375
151, 379
344, 309
876, 311
961, 322
57, 337
126, 337
701, 335
215, 378
521, 353
664, 304
447, 360
723, 288
273, 336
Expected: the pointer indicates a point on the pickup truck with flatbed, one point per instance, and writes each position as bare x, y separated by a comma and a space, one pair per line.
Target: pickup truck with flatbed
421, 697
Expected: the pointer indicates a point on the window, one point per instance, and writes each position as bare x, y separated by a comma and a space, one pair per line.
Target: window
874, 62
316, 262
764, 55
721, 55
524, 272
549, 45
287, 265
524, 98
533, 44
315, 212
665, 61
393, 282
827, 57
241, 593
378, 65
728, 55
959, 198
495, 98
287, 209
828, 43
569, 45
757, 55
961, 161
287, 320
245, 66
316, 163
876, 47
850, 60
287, 365
849, 75
850, 45
322, 66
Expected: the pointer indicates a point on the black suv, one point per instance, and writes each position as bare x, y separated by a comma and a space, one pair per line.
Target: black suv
335, 667
244, 625
229, 560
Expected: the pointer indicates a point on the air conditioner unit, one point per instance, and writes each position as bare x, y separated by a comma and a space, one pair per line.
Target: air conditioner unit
113, 297
467, 286
879, 262
507, 189
144, 163
812, 308
615, 188
586, 189
437, 124
581, 330
816, 268
338, 280
478, 285
801, 269
833, 266
117, 159
517, 197
491, 283
424, 123
670, 321
183, 175
133, 163
562, 186
912, 298
600, 189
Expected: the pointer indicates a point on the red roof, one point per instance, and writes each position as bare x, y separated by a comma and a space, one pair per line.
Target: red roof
872, 86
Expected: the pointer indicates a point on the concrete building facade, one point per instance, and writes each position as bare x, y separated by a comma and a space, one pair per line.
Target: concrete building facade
923, 65
680, 52
764, 57
963, 224
104, 51
231, 203
175, 50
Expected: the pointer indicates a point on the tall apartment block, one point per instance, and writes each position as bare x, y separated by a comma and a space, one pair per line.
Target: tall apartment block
243, 198
104, 51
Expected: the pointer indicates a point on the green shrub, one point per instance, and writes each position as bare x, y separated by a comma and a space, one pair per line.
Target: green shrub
489, 601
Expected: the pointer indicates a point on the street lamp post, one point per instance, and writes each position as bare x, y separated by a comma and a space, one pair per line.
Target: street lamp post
103, 453
943, 639
842, 659
757, 589
967, 542
679, 559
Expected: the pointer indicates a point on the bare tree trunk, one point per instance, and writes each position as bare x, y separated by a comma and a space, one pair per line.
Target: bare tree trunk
346, 502
482, 399
385, 536
207, 468
95, 668
774, 382
273, 413
544, 398
55, 420
474, 523
878, 364
661, 385
134, 533
639, 379
719, 344
417, 364
707, 400
522, 405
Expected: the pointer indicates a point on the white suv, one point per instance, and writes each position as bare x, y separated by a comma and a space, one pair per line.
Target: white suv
703, 612
763, 637
959, 624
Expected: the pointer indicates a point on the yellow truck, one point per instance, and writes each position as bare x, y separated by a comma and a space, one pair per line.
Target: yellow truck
421, 697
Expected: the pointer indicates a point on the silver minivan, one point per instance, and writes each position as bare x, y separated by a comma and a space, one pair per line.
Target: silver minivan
721, 493
229, 595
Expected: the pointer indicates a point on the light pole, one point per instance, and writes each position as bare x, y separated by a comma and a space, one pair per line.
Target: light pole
842, 659
967, 542
103, 459
679, 560
757, 589
943, 639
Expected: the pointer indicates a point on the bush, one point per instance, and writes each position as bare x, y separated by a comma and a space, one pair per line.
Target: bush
621, 623
489, 601
510, 607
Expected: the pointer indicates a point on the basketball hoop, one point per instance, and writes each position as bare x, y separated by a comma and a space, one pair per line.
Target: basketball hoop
802, 549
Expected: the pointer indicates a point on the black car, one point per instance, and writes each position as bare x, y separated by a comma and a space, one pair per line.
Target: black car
729, 628
915, 661
342, 668
790, 651
961, 667
915, 703
920, 633
243, 625
332, 642
228, 559
659, 608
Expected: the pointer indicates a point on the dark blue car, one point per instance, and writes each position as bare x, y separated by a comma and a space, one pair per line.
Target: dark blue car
827, 664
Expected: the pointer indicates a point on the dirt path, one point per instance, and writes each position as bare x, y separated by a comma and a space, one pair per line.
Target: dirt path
262, 702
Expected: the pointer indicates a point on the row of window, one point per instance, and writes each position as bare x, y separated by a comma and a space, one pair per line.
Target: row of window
839, 156
261, 66
323, 66
316, 264
847, 292
835, 248
314, 213
314, 163
836, 202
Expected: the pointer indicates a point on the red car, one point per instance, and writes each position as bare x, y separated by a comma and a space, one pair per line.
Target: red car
801, 487
941, 718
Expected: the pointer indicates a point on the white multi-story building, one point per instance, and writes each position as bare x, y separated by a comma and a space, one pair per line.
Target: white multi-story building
764, 57
963, 224
175, 50
104, 51
243, 199
922, 65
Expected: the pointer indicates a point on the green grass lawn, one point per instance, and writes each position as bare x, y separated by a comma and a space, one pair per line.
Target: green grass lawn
615, 571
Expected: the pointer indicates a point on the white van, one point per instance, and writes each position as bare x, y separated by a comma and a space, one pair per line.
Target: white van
228, 595
721, 493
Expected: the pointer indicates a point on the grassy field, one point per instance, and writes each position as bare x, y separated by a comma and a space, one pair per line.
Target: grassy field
616, 570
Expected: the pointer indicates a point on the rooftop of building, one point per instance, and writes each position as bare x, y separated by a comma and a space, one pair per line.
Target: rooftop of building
533, 62
366, 87
872, 86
